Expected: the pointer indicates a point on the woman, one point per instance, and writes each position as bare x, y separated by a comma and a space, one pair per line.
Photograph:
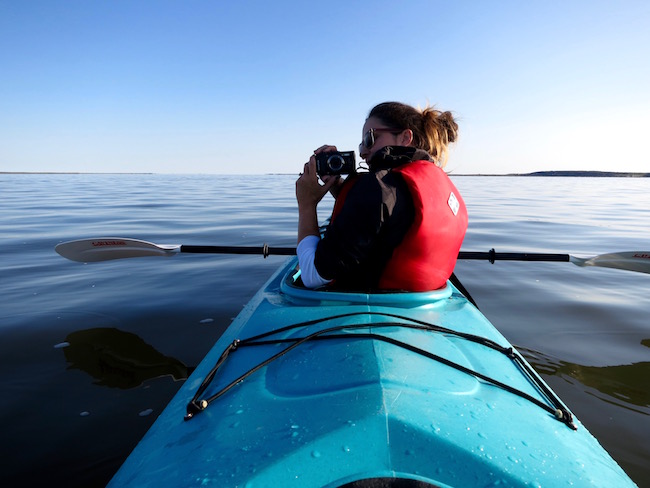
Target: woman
399, 226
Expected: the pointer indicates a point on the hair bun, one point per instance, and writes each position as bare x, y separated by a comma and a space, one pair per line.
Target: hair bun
446, 120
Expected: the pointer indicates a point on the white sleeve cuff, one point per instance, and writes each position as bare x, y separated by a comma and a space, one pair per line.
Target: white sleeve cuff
306, 250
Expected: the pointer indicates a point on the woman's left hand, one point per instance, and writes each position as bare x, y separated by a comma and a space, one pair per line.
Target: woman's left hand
308, 189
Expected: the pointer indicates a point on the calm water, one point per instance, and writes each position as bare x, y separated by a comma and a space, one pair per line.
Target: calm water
91, 353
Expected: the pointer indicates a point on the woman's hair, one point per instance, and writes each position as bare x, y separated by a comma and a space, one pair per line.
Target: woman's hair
432, 129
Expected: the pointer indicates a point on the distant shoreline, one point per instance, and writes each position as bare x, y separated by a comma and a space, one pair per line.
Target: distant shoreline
582, 174
588, 174
66, 173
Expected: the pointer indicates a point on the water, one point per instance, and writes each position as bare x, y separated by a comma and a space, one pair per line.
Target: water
91, 353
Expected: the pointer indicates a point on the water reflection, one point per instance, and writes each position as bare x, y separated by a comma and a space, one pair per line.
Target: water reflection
119, 359
627, 383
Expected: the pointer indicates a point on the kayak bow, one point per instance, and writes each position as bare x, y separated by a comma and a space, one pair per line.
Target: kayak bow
323, 388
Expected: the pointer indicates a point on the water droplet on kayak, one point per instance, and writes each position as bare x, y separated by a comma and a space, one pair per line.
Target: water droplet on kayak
206, 321
84, 414
235, 424
315, 454
146, 412
295, 426
346, 448
61, 345
482, 435
240, 411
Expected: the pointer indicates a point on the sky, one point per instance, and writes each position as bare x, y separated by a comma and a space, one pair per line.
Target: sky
253, 87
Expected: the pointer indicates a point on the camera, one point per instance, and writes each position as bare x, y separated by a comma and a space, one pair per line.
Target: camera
335, 163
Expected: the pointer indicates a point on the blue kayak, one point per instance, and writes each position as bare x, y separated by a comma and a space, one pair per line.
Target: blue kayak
326, 389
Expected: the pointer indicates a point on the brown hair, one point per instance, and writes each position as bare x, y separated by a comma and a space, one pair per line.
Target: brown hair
432, 129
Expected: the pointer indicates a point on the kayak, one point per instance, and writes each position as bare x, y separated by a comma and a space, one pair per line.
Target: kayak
323, 388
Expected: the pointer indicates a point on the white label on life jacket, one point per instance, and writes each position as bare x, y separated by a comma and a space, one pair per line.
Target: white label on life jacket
453, 203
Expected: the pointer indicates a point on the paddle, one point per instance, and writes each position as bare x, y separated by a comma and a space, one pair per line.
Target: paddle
107, 248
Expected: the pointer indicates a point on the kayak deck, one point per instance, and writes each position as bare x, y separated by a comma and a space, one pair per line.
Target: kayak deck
327, 388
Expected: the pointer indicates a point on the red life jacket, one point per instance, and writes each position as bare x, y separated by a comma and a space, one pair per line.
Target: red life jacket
426, 257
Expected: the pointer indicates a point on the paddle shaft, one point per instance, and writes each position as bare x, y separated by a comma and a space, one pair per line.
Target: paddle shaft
493, 256
263, 250
290, 251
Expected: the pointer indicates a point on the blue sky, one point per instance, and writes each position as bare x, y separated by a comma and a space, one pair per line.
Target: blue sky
249, 87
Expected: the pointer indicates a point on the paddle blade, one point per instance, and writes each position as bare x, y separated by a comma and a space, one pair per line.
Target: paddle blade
632, 261
106, 248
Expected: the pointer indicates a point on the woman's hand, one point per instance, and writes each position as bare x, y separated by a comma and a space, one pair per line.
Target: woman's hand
337, 184
308, 190
308, 193
335, 187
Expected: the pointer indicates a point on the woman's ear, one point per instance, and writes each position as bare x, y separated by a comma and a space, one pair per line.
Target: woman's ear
405, 138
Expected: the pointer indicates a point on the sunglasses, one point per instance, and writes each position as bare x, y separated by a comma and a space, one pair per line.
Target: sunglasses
369, 137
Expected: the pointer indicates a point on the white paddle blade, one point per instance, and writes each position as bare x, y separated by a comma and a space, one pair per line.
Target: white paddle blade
107, 248
631, 261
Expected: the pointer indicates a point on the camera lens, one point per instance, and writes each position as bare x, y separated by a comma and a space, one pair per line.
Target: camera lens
335, 162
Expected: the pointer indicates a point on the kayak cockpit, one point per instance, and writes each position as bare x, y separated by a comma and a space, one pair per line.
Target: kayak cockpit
291, 286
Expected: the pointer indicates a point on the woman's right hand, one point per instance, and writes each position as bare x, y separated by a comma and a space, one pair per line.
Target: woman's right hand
336, 186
